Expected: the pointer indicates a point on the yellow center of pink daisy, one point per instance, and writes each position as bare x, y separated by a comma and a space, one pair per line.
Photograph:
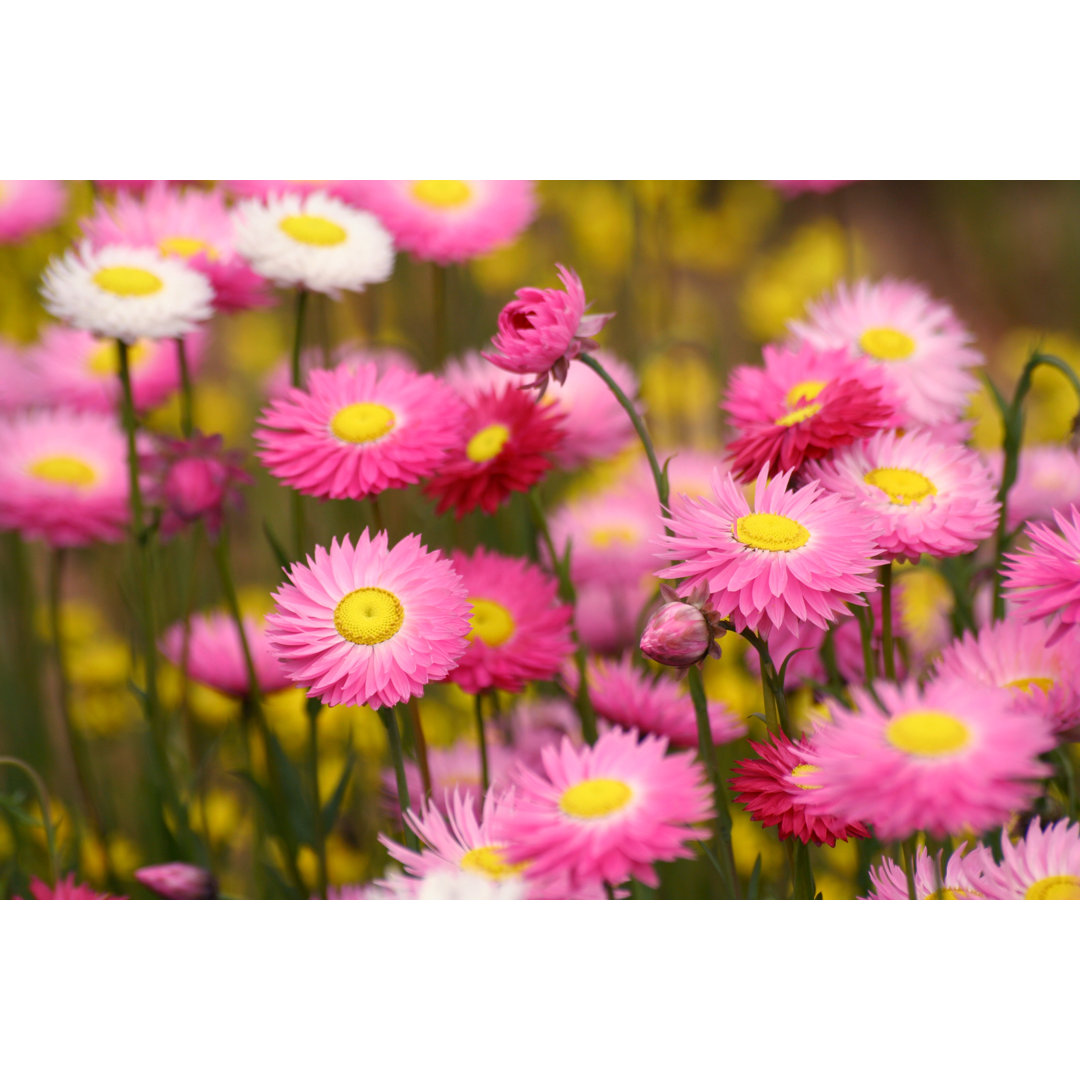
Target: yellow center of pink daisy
361, 422
804, 391
595, 798
368, 616
1029, 685
797, 416
63, 469
607, 535
770, 532
491, 622
953, 894
1059, 887
488, 861
186, 246
128, 281
802, 770
487, 443
443, 194
885, 343
928, 733
903, 486
313, 230
104, 360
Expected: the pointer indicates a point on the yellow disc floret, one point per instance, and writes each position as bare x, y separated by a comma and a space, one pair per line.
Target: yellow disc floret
802, 770
903, 486
313, 230
128, 281
770, 532
928, 733
491, 622
488, 860
63, 469
885, 343
487, 443
443, 194
1059, 887
186, 246
362, 422
595, 798
368, 616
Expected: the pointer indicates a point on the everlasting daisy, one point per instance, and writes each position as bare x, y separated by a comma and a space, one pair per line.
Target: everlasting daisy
919, 496
215, 655
370, 624
448, 221
962, 879
1044, 865
1044, 581
506, 443
802, 555
520, 632
544, 329
66, 889
924, 351
946, 758
64, 477
354, 432
28, 206
313, 242
75, 368
1047, 479
18, 382
769, 786
190, 225
126, 292
804, 403
605, 812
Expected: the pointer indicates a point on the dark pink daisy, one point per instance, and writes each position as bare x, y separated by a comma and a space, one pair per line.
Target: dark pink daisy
1044, 581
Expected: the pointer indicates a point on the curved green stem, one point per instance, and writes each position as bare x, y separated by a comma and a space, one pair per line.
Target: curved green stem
420, 745
907, 852
393, 737
313, 706
46, 812
481, 737
296, 376
187, 395
888, 652
440, 322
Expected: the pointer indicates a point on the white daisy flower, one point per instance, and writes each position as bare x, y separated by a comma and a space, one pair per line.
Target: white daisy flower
313, 242
126, 293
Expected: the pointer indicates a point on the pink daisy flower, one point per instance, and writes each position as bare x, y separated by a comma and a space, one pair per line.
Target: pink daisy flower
505, 446
605, 813
769, 787
449, 221
1044, 581
919, 496
962, 879
455, 770
354, 432
520, 632
370, 624
345, 190
924, 351
1047, 479
630, 698
798, 555
66, 889
28, 206
191, 225
946, 758
1044, 865
74, 368
216, 656
18, 383
801, 405
64, 477
1015, 656
542, 330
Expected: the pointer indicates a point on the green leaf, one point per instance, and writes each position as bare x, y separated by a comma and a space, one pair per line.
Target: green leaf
753, 891
333, 805
275, 546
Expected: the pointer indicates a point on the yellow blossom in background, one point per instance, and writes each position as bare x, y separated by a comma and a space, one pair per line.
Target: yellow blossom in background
749, 840
722, 236
123, 855
255, 342
927, 605
681, 391
219, 816
835, 887
218, 411
505, 270
79, 622
600, 476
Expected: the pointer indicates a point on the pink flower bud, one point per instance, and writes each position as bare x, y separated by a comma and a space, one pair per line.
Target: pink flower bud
677, 635
194, 487
178, 881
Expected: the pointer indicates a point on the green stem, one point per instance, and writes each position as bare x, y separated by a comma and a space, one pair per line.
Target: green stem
865, 615
420, 745
295, 498
46, 813
393, 737
775, 700
440, 325
802, 875
907, 856
888, 652
481, 738
187, 396
313, 707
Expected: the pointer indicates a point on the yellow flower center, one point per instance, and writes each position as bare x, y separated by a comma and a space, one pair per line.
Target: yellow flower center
368, 616
105, 361
491, 622
802, 770
804, 391
1059, 887
186, 246
361, 422
62, 469
1029, 685
952, 894
443, 194
595, 798
928, 733
128, 281
489, 862
770, 532
607, 535
312, 229
885, 343
487, 443
903, 486
797, 416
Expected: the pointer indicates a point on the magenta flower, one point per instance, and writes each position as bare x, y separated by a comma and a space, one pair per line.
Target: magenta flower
178, 881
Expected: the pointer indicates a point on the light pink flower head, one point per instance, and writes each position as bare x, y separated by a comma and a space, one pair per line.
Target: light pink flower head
1044, 581
920, 497
798, 555
178, 881
605, 813
946, 758
1047, 479
962, 879
1043, 865
64, 477
215, 655
922, 348
677, 635
544, 329
18, 383
367, 624
355, 432
191, 225
28, 206
449, 221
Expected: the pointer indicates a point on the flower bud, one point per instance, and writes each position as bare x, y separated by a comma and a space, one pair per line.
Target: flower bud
178, 881
677, 635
